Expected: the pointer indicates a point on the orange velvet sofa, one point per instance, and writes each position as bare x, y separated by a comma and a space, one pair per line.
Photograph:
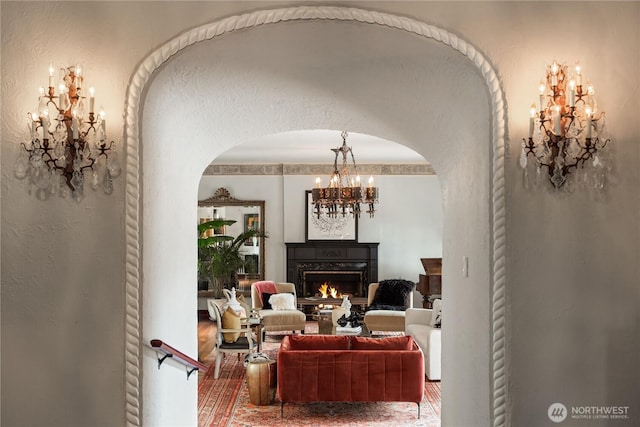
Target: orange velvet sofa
330, 368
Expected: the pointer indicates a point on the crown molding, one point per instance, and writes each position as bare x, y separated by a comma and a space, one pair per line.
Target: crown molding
316, 169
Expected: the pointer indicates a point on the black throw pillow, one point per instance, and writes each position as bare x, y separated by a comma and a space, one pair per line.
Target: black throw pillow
392, 294
266, 305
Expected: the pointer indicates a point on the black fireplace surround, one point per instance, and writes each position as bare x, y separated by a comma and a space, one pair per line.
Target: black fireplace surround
348, 265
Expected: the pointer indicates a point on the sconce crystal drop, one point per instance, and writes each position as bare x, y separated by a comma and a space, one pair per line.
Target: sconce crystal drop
66, 144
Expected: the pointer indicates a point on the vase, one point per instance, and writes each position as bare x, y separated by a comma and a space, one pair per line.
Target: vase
261, 381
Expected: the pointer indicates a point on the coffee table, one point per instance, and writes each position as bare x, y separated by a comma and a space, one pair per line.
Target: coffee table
325, 324
359, 304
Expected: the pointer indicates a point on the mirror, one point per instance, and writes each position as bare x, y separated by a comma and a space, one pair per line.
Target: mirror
248, 214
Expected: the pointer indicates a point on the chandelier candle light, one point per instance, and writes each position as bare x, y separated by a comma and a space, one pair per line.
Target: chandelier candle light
344, 194
67, 141
566, 130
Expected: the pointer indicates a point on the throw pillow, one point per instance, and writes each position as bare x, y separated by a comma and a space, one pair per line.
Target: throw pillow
230, 320
436, 314
392, 295
282, 301
266, 301
390, 343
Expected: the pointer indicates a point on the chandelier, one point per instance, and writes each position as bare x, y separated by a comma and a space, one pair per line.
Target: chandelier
566, 131
66, 143
344, 194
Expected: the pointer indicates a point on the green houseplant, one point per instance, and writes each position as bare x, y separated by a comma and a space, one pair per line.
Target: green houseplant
219, 256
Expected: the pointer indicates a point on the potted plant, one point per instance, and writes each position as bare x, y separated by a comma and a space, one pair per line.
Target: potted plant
219, 256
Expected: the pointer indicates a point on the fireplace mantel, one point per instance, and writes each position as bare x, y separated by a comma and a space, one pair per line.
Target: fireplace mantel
330, 253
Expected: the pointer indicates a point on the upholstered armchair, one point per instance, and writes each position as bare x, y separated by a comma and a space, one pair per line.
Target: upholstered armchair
387, 317
420, 324
279, 318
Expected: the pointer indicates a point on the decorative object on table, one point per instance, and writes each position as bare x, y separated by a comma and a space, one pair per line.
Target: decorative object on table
344, 193
342, 312
566, 132
67, 141
232, 302
351, 321
219, 256
346, 304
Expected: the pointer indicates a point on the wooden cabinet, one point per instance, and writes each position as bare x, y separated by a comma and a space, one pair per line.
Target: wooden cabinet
430, 283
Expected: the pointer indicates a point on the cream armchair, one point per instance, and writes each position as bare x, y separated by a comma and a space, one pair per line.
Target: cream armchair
418, 325
384, 320
279, 320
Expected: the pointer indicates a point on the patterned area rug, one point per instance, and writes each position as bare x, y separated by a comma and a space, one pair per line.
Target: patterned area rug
225, 402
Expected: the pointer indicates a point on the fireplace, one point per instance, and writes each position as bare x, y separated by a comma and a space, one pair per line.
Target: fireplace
347, 278
348, 266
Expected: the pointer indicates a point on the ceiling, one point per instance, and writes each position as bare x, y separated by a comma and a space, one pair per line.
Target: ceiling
314, 147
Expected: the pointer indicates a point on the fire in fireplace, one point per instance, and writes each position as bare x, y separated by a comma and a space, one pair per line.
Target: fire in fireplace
342, 282
328, 291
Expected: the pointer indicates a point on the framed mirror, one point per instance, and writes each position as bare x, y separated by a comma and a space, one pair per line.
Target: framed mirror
248, 214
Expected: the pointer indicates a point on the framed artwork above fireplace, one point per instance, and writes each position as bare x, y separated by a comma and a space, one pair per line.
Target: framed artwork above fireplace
343, 228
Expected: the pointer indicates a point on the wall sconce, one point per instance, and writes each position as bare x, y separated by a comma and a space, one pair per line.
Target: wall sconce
566, 131
67, 142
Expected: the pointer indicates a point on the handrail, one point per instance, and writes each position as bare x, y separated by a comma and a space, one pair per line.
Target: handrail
179, 357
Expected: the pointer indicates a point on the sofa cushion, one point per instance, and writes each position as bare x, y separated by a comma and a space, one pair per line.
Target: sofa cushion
392, 295
231, 320
283, 301
319, 342
389, 343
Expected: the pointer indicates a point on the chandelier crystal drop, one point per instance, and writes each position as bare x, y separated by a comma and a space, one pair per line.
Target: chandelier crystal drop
66, 143
566, 132
344, 194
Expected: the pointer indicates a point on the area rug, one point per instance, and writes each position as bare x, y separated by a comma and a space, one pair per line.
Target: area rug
225, 403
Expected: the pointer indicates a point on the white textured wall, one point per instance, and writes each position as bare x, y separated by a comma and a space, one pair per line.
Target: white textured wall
572, 260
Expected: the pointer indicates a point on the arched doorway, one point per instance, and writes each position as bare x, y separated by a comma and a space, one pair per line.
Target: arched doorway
436, 104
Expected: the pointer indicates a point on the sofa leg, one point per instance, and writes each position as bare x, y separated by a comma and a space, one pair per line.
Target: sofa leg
281, 409
418, 410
